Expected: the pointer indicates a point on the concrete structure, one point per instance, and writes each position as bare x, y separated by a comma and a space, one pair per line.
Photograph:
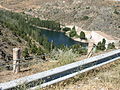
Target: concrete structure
97, 36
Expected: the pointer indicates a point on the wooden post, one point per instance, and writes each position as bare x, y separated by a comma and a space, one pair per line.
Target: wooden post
16, 61
90, 48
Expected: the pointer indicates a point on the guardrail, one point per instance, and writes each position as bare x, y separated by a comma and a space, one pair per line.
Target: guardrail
52, 76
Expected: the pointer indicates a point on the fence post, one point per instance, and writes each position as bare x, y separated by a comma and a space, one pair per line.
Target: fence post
16, 61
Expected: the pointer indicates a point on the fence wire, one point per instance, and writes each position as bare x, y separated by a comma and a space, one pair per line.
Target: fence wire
32, 60
26, 61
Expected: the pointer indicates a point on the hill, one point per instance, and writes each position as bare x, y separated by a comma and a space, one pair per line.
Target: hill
8, 41
88, 14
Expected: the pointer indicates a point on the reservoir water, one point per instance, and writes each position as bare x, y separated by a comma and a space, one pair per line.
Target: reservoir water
60, 38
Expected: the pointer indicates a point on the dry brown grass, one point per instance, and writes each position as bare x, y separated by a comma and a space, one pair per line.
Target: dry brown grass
106, 77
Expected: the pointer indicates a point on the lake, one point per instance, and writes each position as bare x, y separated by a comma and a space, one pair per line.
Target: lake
60, 38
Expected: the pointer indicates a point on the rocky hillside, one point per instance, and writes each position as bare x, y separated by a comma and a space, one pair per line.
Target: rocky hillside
88, 14
101, 15
8, 41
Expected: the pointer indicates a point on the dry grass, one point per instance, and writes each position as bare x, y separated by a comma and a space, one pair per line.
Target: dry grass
106, 77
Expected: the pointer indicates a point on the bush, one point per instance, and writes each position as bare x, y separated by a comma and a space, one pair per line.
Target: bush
72, 33
63, 56
18, 39
77, 48
111, 46
85, 18
116, 12
1, 33
33, 49
40, 51
82, 35
101, 45
87, 7
66, 29
25, 53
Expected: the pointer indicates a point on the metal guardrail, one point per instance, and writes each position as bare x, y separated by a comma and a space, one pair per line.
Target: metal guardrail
52, 76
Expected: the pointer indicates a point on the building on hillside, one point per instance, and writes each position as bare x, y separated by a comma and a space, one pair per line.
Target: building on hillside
97, 36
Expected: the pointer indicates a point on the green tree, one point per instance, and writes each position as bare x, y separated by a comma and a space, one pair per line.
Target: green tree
39, 51
33, 49
74, 29
111, 46
103, 41
25, 53
82, 35
101, 45
72, 33
85, 18
66, 29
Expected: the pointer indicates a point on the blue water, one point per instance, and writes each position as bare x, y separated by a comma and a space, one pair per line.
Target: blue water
59, 38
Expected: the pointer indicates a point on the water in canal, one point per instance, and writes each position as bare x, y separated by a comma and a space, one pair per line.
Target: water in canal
60, 38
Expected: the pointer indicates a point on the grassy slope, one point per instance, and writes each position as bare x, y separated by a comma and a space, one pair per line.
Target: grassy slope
104, 78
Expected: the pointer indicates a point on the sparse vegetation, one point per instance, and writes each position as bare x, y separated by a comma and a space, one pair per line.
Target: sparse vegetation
85, 18
63, 56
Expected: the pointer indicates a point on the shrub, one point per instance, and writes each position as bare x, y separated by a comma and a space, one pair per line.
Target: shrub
111, 46
87, 7
72, 33
63, 56
85, 18
18, 39
25, 53
101, 45
1, 33
82, 35
77, 48
116, 12
33, 49
66, 29
39, 51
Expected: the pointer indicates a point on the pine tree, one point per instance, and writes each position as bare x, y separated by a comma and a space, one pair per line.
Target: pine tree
82, 35
25, 53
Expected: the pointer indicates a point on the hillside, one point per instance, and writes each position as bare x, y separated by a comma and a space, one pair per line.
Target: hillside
88, 14
16, 30
8, 41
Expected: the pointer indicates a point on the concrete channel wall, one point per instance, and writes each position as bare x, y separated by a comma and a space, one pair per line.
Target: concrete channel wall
61, 73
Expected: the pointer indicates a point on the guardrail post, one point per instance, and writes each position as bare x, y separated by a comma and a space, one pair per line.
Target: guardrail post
16, 61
